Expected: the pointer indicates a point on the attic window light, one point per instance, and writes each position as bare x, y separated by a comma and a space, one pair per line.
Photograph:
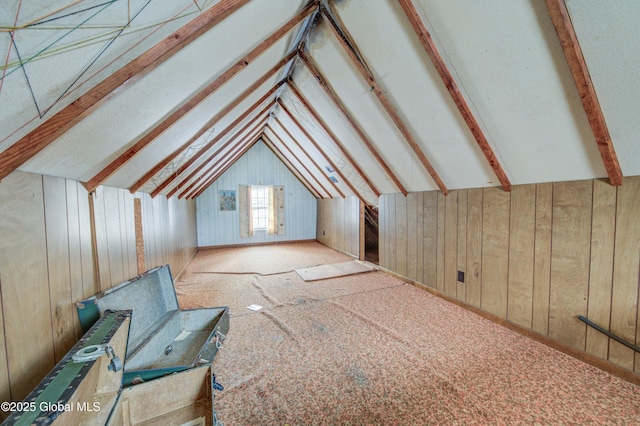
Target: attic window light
260, 207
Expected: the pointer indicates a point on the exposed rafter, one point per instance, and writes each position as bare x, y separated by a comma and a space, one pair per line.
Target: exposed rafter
251, 129
451, 85
214, 162
224, 167
212, 142
291, 85
285, 146
322, 81
276, 151
58, 124
572, 51
209, 124
227, 75
347, 44
306, 151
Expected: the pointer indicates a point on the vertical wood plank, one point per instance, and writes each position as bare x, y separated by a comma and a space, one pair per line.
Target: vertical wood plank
139, 232
570, 256
114, 235
391, 226
102, 243
430, 239
461, 287
382, 230
542, 258
124, 245
87, 255
474, 247
626, 272
412, 237
495, 251
23, 271
440, 242
5, 388
521, 254
401, 234
75, 252
603, 229
451, 243
420, 237
57, 235
361, 231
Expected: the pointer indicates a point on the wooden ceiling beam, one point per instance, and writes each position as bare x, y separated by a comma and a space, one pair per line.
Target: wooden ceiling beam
322, 152
327, 129
285, 146
218, 150
208, 125
315, 163
223, 168
344, 40
152, 133
39, 138
450, 83
573, 53
328, 89
211, 160
219, 136
276, 151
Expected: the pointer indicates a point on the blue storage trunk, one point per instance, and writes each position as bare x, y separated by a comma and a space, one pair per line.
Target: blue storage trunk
162, 338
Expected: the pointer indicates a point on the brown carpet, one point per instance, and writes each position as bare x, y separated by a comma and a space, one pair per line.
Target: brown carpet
370, 349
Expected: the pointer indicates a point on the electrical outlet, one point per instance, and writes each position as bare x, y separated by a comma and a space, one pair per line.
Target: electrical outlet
461, 276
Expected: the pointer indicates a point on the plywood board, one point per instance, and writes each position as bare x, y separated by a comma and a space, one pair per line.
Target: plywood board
89, 280
495, 251
5, 388
430, 239
420, 236
570, 256
23, 268
391, 228
440, 242
603, 229
461, 286
412, 234
473, 271
400, 247
102, 253
521, 255
542, 258
63, 316
624, 296
75, 251
451, 243
333, 270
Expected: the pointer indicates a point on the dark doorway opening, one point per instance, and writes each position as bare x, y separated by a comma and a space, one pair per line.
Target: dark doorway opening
371, 234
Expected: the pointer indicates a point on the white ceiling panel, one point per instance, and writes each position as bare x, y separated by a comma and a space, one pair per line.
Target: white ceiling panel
65, 54
410, 81
608, 33
510, 66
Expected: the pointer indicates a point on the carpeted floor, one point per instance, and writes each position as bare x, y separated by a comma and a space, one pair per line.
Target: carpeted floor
369, 349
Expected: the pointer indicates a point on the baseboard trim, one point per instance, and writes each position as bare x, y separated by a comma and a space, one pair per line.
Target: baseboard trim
580, 355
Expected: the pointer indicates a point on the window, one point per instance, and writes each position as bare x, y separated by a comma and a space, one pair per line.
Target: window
260, 207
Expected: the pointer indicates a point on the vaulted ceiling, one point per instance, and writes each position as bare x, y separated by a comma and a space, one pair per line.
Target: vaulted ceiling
357, 97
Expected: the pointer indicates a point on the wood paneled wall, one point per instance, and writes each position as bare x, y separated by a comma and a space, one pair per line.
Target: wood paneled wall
48, 261
537, 257
338, 224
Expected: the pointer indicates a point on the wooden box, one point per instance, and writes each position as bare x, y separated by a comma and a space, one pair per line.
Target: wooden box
81, 390
162, 338
85, 387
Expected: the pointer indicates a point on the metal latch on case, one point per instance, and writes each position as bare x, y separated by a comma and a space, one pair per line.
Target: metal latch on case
93, 352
